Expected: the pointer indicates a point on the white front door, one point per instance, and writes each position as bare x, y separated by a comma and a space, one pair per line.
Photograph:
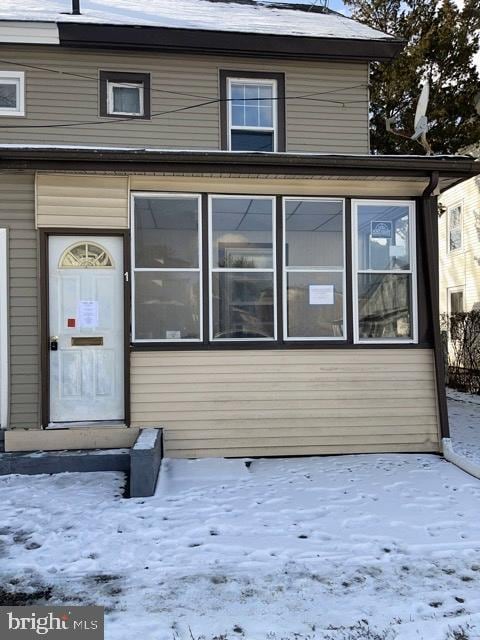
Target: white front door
86, 328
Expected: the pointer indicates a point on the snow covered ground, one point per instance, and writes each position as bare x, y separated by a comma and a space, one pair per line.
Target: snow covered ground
380, 547
464, 412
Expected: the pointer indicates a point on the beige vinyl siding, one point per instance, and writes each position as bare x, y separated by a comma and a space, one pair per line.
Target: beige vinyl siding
334, 122
287, 402
102, 202
90, 202
461, 268
17, 214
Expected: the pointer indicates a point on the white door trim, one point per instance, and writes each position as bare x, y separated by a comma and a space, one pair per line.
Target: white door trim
4, 334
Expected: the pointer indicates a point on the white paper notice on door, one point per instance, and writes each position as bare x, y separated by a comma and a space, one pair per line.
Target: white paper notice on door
87, 314
321, 294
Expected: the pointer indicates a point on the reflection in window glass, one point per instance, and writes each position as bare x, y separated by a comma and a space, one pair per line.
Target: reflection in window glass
315, 304
252, 108
166, 268
166, 232
8, 95
314, 233
167, 305
242, 260
384, 306
314, 268
385, 274
242, 305
383, 237
252, 104
242, 230
455, 228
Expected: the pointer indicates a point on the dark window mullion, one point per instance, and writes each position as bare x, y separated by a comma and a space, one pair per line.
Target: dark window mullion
279, 240
205, 270
349, 270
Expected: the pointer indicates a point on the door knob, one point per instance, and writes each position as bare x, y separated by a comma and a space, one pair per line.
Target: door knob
53, 343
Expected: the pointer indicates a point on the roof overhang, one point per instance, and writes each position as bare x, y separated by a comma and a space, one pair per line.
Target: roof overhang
449, 169
101, 36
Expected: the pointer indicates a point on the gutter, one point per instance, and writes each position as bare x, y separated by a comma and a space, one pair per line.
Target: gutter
462, 167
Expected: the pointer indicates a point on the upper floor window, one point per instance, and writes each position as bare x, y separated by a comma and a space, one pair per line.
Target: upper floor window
124, 94
253, 111
455, 224
12, 89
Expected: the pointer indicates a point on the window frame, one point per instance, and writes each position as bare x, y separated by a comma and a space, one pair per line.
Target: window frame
132, 85
226, 76
412, 229
134, 269
286, 270
17, 78
212, 269
457, 205
457, 289
108, 79
231, 127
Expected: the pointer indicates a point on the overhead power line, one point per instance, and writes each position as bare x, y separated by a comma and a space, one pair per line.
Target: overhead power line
208, 100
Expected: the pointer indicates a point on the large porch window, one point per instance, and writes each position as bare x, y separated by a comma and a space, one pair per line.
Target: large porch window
249, 268
385, 276
166, 260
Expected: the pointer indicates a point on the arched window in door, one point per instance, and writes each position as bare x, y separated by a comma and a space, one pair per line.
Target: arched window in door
86, 255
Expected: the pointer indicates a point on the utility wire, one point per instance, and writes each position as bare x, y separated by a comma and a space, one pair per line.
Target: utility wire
180, 93
209, 100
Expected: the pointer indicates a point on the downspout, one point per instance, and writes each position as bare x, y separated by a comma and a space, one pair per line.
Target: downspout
430, 224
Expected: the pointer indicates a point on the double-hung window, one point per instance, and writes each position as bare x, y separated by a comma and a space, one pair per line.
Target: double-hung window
252, 111
455, 228
166, 268
384, 277
12, 93
242, 268
314, 272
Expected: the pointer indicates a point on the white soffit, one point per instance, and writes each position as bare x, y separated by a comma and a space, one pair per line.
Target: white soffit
29, 32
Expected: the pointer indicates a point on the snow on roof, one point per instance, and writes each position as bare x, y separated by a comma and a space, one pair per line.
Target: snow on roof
247, 16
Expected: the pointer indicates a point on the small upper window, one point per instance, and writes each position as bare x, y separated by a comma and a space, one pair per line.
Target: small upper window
252, 112
12, 93
124, 94
455, 224
125, 99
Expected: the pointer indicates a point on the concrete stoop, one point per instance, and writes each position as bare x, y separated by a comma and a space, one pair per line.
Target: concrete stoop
141, 462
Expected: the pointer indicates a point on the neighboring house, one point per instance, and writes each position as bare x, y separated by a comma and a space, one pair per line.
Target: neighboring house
459, 247
194, 235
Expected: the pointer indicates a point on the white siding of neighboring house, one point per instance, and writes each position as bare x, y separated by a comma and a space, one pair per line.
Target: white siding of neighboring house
461, 268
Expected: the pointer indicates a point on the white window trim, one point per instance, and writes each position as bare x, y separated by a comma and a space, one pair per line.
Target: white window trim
136, 85
286, 270
212, 269
4, 335
164, 196
412, 271
450, 208
19, 80
450, 290
273, 129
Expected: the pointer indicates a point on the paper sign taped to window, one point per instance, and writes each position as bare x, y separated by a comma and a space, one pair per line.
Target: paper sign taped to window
321, 294
87, 314
173, 335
